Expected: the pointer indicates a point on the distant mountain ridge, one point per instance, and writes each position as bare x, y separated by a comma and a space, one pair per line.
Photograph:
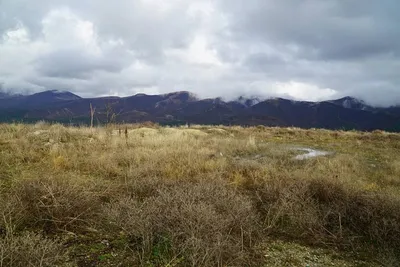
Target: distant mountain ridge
352, 103
37, 100
184, 107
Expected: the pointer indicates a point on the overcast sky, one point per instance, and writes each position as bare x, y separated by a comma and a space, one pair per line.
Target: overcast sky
301, 49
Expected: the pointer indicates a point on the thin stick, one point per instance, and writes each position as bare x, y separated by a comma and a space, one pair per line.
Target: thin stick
92, 111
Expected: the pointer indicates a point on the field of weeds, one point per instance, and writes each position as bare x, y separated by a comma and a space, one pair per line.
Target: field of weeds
144, 195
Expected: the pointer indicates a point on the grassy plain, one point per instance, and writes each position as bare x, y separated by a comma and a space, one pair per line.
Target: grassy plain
144, 195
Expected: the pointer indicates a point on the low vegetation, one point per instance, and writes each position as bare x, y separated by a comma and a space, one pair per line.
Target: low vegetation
144, 195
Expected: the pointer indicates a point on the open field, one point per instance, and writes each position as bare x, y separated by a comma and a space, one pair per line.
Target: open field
198, 196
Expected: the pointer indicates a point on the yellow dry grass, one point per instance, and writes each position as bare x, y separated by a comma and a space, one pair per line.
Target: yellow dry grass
198, 196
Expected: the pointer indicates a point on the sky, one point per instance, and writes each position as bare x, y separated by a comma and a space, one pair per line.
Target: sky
298, 49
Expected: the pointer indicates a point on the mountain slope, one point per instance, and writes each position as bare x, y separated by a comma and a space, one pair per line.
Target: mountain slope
38, 100
351, 103
184, 107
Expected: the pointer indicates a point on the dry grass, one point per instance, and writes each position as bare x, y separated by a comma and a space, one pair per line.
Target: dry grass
30, 249
190, 224
199, 196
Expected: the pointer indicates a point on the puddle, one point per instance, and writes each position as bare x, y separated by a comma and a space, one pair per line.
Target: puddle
310, 153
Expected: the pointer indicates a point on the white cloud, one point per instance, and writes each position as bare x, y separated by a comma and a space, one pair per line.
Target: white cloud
17, 52
303, 91
213, 48
198, 53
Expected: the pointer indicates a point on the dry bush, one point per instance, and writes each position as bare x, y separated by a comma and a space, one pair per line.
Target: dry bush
193, 224
284, 207
146, 124
11, 214
217, 131
56, 203
324, 210
30, 249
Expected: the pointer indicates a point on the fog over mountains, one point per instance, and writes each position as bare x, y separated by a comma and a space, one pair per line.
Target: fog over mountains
184, 107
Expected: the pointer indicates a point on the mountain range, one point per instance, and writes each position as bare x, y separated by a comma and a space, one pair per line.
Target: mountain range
183, 107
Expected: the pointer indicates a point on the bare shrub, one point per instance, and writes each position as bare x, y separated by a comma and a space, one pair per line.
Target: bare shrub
11, 214
30, 249
197, 224
326, 211
56, 203
285, 206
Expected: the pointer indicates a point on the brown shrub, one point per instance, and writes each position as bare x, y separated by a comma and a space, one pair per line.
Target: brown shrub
285, 207
325, 210
30, 249
146, 124
196, 224
55, 203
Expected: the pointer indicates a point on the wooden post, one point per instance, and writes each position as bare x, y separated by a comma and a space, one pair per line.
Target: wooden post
92, 111
126, 135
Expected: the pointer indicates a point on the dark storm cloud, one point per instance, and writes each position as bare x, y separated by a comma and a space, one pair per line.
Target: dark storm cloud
330, 29
262, 61
305, 49
77, 64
